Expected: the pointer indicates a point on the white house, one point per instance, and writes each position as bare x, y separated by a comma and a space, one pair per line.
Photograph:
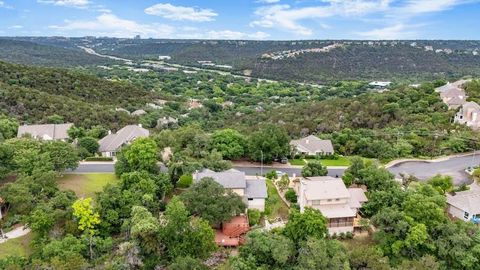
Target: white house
253, 191
464, 205
46, 132
312, 146
111, 144
469, 115
337, 203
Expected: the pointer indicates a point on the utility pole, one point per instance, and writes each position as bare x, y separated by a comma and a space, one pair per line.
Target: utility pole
261, 163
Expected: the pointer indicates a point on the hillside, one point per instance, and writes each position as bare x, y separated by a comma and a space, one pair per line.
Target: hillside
32, 94
30, 53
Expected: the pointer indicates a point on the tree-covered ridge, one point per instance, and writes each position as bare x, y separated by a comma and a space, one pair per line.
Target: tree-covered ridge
30, 53
33, 94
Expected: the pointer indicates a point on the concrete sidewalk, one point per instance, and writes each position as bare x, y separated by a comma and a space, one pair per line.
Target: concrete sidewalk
15, 233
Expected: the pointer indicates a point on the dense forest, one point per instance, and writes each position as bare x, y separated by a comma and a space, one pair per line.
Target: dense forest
30, 53
415, 60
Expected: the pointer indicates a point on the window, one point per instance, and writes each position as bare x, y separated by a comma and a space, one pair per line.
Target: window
337, 199
329, 200
465, 216
250, 199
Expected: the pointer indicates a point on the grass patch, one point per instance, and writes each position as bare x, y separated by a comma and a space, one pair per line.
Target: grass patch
297, 162
18, 247
85, 185
341, 161
274, 206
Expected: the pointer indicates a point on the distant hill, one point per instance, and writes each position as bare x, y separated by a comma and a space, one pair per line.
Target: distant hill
32, 94
30, 53
317, 61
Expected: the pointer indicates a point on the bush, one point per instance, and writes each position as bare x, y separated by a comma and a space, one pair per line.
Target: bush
185, 181
349, 235
99, 159
254, 216
291, 196
271, 175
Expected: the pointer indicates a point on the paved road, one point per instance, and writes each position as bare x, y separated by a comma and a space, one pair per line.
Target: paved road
454, 167
109, 168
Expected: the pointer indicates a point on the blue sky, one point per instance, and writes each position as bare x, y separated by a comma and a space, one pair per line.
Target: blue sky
244, 19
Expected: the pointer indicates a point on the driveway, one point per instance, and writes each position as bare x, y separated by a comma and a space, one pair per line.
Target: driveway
454, 166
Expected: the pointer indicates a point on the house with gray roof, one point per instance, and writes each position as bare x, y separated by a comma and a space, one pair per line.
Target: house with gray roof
253, 191
46, 132
113, 142
464, 205
333, 199
312, 146
454, 97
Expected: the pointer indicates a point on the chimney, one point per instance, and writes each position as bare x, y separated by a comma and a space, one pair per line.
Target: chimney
307, 141
109, 132
140, 125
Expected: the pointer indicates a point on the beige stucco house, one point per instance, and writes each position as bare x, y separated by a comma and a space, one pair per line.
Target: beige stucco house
335, 201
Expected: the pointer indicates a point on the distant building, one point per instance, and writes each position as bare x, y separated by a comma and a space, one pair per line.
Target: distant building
164, 57
137, 37
194, 104
312, 145
449, 85
332, 198
233, 232
454, 97
166, 122
469, 115
464, 205
380, 85
113, 142
253, 191
46, 132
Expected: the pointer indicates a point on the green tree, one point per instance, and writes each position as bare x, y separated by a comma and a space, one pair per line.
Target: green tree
229, 142
140, 155
62, 155
87, 219
145, 229
442, 184
322, 254
195, 239
291, 195
310, 223
314, 168
267, 249
8, 128
269, 143
89, 143
212, 202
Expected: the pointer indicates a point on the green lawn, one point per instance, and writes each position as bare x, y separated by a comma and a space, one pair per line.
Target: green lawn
274, 206
18, 247
85, 185
297, 162
341, 161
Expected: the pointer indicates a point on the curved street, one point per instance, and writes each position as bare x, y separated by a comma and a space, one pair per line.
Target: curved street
454, 166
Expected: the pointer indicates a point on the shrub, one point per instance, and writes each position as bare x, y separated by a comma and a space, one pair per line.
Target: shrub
291, 196
185, 181
98, 159
349, 235
254, 216
271, 175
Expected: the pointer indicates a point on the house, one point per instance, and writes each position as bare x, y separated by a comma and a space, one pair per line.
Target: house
312, 146
232, 232
464, 205
335, 201
46, 132
380, 85
111, 144
138, 112
469, 114
454, 97
194, 104
449, 85
253, 191
166, 122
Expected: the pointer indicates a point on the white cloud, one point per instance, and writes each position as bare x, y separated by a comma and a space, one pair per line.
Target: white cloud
67, 3
398, 31
268, 1
427, 6
16, 27
180, 13
5, 5
287, 18
2, 4
108, 24
228, 34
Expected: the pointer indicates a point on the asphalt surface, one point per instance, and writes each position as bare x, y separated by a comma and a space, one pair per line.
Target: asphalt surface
109, 168
454, 167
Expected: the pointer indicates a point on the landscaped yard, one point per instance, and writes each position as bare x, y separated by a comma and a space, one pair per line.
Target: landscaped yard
18, 246
85, 185
274, 206
297, 162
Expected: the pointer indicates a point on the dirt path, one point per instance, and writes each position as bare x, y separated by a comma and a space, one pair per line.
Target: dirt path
15, 233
